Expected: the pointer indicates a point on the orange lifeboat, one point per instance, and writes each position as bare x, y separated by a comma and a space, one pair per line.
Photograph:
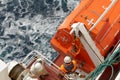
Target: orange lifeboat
101, 20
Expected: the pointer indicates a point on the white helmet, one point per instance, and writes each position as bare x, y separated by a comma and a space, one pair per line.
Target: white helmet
36, 67
67, 59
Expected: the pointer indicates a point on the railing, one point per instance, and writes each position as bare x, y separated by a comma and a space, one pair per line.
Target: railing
104, 13
31, 57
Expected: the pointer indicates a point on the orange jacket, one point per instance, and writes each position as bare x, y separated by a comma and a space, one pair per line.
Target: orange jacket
69, 68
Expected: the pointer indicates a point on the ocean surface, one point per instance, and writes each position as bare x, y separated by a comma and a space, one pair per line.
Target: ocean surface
27, 25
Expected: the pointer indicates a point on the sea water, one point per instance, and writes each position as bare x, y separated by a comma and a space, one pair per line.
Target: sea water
27, 25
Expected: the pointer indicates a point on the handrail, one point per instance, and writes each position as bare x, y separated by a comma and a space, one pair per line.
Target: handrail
65, 76
103, 15
47, 60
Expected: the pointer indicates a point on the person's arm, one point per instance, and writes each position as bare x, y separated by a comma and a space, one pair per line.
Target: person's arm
75, 65
62, 72
62, 69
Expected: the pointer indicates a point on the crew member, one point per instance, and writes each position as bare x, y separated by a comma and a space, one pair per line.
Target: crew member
69, 65
38, 70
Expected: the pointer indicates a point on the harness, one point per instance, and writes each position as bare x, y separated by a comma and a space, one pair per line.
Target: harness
69, 67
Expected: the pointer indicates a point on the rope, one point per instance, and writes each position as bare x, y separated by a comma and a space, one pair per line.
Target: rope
114, 58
